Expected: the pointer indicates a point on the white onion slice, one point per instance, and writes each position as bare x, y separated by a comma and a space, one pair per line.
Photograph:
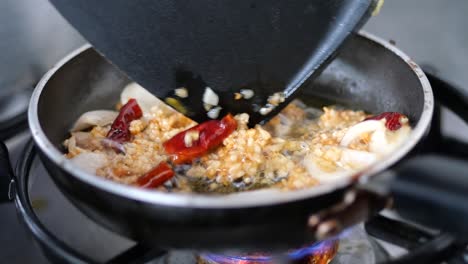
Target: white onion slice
144, 98
384, 142
85, 140
357, 159
350, 161
379, 142
94, 118
70, 144
90, 161
357, 130
108, 143
323, 176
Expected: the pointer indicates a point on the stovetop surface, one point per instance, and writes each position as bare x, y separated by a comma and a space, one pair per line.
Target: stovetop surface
412, 25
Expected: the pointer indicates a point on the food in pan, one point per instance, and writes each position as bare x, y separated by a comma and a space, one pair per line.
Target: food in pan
148, 144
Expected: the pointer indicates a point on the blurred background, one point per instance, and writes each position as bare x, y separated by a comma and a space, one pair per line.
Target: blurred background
33, 36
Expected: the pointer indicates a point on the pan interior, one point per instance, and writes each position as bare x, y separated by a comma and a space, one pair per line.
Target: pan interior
365, 75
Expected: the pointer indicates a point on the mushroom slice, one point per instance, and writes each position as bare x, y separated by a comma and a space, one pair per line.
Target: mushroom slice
94, 118
90, 161
145, 99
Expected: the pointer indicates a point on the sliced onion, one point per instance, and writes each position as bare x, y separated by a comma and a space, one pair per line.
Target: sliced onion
321, 175
384, 142
90, 161
70, 144
357, 130
145, 99
349, 162
357, 159
85, 140
94, 118
108, 143
378, 142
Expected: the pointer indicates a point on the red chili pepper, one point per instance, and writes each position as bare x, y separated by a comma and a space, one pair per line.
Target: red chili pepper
210, 135
392, 119
157, 176
120, 129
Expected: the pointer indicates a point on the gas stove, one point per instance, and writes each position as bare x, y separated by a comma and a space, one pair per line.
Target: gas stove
58, 232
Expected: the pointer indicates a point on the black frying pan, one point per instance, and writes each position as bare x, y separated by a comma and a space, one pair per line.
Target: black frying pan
360, 78
369, 74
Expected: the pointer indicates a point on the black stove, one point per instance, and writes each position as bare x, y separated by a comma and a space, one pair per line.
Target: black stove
60, 233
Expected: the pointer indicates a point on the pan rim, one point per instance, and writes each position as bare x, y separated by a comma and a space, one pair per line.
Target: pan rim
258, 198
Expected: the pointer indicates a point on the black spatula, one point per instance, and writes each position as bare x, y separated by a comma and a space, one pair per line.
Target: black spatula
245, 51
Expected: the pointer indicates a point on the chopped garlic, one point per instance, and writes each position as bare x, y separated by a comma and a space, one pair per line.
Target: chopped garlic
266, 110
207, 107
210, 97
136, 126
190, 137
247, 93
181, 92
276, 98
214, 113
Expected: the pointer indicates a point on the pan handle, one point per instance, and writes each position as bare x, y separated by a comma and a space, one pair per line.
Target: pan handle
430, 189
433, 190
6, 175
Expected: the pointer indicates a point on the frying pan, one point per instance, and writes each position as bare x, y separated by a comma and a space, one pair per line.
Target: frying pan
368, 77
368, 74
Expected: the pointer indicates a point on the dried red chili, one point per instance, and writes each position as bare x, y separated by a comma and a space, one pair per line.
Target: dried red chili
120, 129
208, 135
157, 176
393, 119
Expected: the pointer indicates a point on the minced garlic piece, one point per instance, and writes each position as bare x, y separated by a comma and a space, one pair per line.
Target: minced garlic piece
136, 126
190, 137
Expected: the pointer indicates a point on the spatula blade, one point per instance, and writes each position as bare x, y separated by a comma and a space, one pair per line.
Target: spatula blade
266, 46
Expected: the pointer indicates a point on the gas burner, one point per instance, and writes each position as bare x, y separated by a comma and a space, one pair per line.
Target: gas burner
320, 253
351, 246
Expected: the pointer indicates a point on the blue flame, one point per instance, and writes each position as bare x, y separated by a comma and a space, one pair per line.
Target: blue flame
309, 250
293, 255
